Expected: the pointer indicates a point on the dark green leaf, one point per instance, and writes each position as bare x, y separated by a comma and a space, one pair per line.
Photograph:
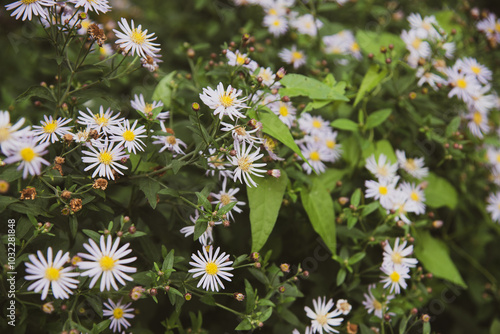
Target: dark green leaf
150, 188
35, 91
341, 276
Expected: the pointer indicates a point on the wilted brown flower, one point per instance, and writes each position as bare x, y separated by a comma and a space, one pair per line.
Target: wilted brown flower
100, 184
28, 193
97, 34
76, 204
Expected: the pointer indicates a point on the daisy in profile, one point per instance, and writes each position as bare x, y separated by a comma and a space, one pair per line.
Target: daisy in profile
106, 262
51, 129
225, 102
29, 153
224, 197
129, 136
28, 8
118, 313
398, 255
241, 134
9, 133
135, 40
430, 78
207, 238
169, 141
413, 166
294, 57
141, 106
213, 267
323, 319
49, 273
382, 169
493, 206
285, 111
372, 305
106, 158
245, 164
92, 5
382, 190
103, 121
316, 155
395, 278
151, 63
217, 163
478, 123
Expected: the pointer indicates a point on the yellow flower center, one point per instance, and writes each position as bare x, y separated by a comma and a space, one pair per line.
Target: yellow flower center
355, 47
382, 190
394, 276
269, 143
477, 117
414, 196
4, 134
498, 158
101, 120
244, 164
476, 69
273, 11
52, 274
240, 60
265, 75
27, 154
461, 83
226, 100
283, 111
336, 50
216, 162
28, 2
316, 124
240, 131
377, 305
426, 26
138, 37
396, 258
410, 164
276, 23
107, 263
297, 56
416, 43
331, 144
383, 171
322, 319
50, 126
314, 156
85, 24
171, 140
148, 108
118, 313
105, 158
225, 199
128, 135
497, 27
211, 268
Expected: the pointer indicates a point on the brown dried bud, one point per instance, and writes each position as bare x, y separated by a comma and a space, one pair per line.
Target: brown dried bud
100, 184
66, 194
59, 160
76, 204
68, 138
343, 200
97, 34
281, 289
93, 134
370, 56
383, 49
119, 234
153, 291
28, 193
388, 61
352, 328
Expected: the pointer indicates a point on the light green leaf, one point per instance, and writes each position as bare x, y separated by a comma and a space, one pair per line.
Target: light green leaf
301, 85
495, 327
440, 192
376, 118
372, 78
163, 90
345, 124
370, 42
319, 208
380, 147
434, 255
265, 202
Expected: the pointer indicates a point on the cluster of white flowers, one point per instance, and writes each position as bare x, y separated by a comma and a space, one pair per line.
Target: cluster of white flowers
402, 198
342, 43
490, 26
323, 318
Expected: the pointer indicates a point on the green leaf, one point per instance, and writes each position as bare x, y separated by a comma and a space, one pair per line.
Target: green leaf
273, 126
95, 302
434, 256
341, 276
345, 124
319, 208
92, 234
372, 78
356, 197
203, 201
381, 147
356, 258
244, 325
440, 192
370, 42
73, 226
35, 91
300, 85
5, 201
378, 117
330, 178
150, 188
426, 328
163, 90
200, 228
495, 327
453, 126
265, 202
250, 297
168, 263
208, 299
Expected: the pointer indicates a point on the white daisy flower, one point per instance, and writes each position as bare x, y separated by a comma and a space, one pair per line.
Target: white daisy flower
400, 206
307, 25
85, 23
213, 267
413, 166
478, 124
140, 105
28, 8
29, 153
294, 57
10, 134
371, 304
344, 306
93, 5
313, 125
224, 197
424, 28
106, 262
267, 76
417, 46
275, 24
464, 85
65, 12
118, 313
416, 197
105, 50
224, 102
490, 26
493, 206
218, 163
169, 141
396, 276
207, 238
51, 129
245, 164
136, 40
128, 136
323, 319
49, 273
398, 255
316, 155
471, 66
285, 111
106, 159
482, 101
151, 63
330, 142
241, 134
383, 191
338, 44
430, 78
382, 169
103, 121
239, 59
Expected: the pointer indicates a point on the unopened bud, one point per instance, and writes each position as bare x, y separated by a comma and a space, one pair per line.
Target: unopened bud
285, 267
426, 318
239, 296
132, 229
343, 200
274, 173
280, 74
281, 289
437, 223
